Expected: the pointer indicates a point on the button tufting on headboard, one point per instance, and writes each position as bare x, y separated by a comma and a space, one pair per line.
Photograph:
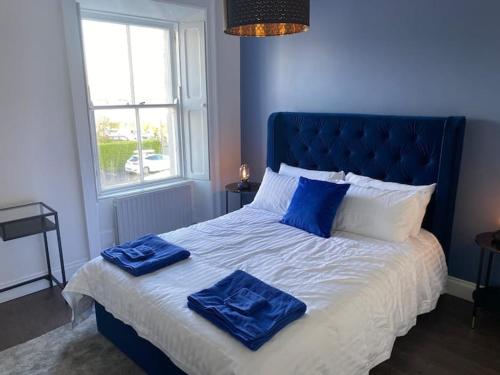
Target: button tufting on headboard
404, 149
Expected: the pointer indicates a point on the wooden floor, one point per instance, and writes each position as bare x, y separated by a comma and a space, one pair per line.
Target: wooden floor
31, 316
441, 343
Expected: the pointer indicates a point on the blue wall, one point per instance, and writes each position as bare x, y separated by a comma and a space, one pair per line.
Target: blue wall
422, 57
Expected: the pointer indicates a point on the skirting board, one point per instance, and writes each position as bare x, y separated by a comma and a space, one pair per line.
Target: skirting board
71, 268
460, 288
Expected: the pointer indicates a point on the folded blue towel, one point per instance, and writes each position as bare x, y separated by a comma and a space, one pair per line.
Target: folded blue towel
252, 328
144, 255
140, 252
245, 301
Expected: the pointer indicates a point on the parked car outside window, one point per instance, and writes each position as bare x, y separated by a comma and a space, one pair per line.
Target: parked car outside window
151, 163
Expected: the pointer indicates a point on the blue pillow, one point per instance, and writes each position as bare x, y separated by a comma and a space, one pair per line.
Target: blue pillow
314, 206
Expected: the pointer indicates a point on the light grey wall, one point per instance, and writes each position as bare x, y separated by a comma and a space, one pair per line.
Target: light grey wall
410, 57
38, 158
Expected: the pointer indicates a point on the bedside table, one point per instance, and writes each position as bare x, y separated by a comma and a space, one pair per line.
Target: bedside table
485, 297
233, 188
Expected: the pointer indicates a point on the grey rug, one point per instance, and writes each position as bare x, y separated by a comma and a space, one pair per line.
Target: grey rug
64, 351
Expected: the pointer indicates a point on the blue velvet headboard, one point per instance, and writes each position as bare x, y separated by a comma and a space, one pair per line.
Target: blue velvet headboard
408, 150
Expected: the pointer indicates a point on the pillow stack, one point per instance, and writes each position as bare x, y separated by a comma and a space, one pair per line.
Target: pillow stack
423, 193
321, 202
276, 190
307, 199
381, 214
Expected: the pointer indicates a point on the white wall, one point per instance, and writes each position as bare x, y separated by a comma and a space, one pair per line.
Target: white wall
227, 153
38, 158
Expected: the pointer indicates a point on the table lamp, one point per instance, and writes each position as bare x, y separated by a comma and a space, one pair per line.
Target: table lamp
244, 177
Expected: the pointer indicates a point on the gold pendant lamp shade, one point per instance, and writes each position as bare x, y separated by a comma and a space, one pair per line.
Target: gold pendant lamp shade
262, 18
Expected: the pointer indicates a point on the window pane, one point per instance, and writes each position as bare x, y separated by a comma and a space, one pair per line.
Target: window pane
107, 62
152, 65
117, 147
159, 143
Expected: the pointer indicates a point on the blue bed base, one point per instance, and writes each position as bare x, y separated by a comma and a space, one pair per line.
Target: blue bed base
408, 150
147, 356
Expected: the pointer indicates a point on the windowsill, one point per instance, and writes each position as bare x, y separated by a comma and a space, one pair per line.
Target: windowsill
126, 192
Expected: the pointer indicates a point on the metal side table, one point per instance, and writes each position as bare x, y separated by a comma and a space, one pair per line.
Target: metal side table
233, 188
485, 296
28, 220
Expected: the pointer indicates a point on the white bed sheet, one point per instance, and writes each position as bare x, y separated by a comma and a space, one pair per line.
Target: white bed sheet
360, 293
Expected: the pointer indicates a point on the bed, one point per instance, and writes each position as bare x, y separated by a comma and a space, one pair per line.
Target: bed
361, 293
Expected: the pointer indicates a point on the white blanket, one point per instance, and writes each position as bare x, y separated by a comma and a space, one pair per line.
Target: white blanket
360, 293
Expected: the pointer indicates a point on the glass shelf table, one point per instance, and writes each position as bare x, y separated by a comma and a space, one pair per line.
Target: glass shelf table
28, 220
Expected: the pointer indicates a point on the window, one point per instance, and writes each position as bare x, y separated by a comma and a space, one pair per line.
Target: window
134, 77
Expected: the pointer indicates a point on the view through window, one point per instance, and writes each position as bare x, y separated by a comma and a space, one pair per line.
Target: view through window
132, 80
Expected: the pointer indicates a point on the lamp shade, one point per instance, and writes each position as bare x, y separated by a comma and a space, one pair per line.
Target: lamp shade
262, 18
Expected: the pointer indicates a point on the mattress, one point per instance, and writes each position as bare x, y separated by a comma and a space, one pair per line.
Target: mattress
361, 294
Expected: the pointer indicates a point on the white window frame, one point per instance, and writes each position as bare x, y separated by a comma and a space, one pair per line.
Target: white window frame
208, 199
127, 20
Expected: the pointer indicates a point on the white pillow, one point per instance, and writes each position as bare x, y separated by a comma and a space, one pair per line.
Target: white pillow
275, 192
288, 170
425, 194
382, 214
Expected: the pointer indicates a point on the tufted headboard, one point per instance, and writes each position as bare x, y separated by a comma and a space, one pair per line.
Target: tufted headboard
408, 150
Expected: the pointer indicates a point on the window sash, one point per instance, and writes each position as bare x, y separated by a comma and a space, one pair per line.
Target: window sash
142, 183
176, 105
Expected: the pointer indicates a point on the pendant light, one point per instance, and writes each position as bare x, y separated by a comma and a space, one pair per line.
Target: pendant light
262, 18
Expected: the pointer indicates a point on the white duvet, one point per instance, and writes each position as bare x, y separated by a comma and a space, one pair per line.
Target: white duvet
360, 294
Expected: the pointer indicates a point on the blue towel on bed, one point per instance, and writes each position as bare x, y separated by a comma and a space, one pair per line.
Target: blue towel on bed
247, 308
245, 301
140, 252
144, 255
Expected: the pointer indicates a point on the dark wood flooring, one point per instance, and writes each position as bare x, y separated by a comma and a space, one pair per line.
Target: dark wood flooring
31, 316
441, 343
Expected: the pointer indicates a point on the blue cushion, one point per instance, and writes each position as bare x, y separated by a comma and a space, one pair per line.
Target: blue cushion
314, 206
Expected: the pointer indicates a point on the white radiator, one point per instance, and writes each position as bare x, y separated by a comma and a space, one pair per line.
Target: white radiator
154, 212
